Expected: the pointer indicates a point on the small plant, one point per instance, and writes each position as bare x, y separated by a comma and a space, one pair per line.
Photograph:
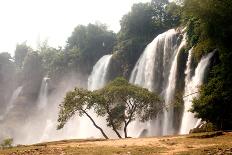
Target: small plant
7, 143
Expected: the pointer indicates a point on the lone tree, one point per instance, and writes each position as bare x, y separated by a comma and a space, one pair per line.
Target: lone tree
119, 101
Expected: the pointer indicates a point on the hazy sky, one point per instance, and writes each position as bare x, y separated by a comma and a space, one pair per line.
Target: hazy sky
36, 20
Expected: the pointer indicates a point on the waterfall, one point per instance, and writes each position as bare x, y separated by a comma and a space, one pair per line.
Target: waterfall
154, 63
42, 100
156, 70
97, 78
168, 127
191, 86
11, 103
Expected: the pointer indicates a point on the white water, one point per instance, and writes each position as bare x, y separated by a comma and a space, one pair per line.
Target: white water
97, 78
192, 86
42, 101
76, 127
151, 64
156, 70
168, 127
11, 103
41, 126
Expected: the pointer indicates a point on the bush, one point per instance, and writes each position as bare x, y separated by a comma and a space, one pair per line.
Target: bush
7, 143
206, 127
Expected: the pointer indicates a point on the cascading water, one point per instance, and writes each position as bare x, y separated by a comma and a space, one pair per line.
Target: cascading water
191, 88
168, 127
11, 103
42, 101
155, 62
156, 71
97, 78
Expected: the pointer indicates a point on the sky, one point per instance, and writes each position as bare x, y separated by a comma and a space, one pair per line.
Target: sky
35, 21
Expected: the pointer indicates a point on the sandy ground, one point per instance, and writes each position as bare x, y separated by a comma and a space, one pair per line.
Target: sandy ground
171, 145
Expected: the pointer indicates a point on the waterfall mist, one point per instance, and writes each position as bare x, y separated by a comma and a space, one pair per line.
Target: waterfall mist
29, 123
12, 102
37, 122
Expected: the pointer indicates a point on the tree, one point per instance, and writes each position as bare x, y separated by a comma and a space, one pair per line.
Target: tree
138, 22
50, 57
7, 143
166, 14
119, 101
90, 43
7, 78
20, 54
125, 102
32, 74
208, 29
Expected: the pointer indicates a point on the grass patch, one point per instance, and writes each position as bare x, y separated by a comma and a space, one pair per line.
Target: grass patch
108, 150
68, 141
206, 134
220, 150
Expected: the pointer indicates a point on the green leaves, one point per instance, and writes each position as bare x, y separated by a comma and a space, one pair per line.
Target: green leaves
89, 43
7, 143
209, 29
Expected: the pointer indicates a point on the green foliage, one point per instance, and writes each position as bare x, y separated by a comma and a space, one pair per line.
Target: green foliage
140, 26
32, 74
137, 22
20, 54
208, 20
207, 127
7, 143
214, 16
87, 44
84, 47
79, 100
206, 134
214, 103
7, 77
7, 67
119, 101
209, 28
122, 94
166, 14
32, 65
48, 57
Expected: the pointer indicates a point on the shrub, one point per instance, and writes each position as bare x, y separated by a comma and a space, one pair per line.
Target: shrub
7, 143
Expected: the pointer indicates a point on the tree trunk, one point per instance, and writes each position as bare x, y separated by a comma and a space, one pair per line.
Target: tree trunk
125, 130
99, 128
112, 123
115, 130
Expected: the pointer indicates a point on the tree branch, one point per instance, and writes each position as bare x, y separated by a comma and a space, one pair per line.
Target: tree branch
111, 122
99, 128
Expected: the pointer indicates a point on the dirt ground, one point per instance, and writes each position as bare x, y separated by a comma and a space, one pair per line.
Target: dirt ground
180, 145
